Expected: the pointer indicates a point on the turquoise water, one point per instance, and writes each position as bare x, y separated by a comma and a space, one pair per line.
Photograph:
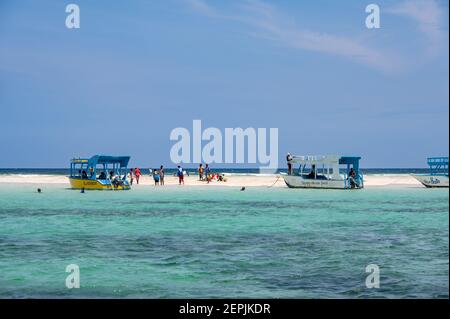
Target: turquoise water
178, 242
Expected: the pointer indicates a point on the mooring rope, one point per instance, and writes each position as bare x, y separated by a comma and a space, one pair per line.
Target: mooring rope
279, 176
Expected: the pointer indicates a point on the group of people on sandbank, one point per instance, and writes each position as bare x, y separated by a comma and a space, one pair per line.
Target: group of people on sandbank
205, 174
159, 174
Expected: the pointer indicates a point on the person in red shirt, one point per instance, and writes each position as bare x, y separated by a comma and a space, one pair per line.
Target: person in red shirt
137, 174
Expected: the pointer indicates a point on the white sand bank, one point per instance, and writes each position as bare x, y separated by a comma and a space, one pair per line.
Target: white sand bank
386, 180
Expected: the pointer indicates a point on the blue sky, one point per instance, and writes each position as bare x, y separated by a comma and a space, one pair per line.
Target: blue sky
135, 70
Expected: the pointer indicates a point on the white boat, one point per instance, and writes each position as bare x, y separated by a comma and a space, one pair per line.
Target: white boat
324, 172
438, 176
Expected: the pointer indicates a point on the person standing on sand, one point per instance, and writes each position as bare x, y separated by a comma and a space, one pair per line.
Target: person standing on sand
131, 176
137, 174
180, 175
156, 177
207, 173
200, 172
161, 175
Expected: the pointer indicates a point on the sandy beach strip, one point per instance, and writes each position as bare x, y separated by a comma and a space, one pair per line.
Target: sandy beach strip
381, 180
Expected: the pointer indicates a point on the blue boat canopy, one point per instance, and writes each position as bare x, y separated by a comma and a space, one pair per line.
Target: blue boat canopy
438, 165
438, 161
122, 161
103, 159
350, 160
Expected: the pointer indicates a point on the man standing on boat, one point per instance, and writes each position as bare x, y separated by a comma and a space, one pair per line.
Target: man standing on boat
289, 159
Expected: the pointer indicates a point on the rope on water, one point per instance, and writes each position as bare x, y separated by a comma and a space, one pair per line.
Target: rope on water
279, 176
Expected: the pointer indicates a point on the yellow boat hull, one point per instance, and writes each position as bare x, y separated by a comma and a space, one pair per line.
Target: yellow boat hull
78, 183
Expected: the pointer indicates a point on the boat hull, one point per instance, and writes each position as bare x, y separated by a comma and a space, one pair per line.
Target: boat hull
433, 181
295, 181
78, 183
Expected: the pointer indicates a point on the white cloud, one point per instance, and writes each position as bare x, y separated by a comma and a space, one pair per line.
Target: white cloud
203, 8
271, 24
428, 15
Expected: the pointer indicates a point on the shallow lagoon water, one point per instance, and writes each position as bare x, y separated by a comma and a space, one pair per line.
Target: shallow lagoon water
201, 242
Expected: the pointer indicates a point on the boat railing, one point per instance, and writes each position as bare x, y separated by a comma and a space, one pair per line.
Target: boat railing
310, 157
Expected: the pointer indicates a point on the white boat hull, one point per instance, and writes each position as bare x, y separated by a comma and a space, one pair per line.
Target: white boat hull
432, 180
296, 181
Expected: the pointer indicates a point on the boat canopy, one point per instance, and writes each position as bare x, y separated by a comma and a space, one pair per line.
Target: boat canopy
103, 159
328, 163
122, 161
350, 161
438, 161
316, 159
437, 164
328, 159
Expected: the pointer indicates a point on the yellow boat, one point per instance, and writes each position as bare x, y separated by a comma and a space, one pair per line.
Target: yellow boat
101, 172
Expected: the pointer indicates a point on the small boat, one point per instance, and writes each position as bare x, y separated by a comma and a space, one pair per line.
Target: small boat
324, 172
438, 176
101, 172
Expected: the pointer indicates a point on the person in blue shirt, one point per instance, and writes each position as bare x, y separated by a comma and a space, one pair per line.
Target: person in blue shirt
208, 173
180, 175
156, 177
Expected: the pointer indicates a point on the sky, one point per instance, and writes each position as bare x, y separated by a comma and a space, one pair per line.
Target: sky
135, 70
